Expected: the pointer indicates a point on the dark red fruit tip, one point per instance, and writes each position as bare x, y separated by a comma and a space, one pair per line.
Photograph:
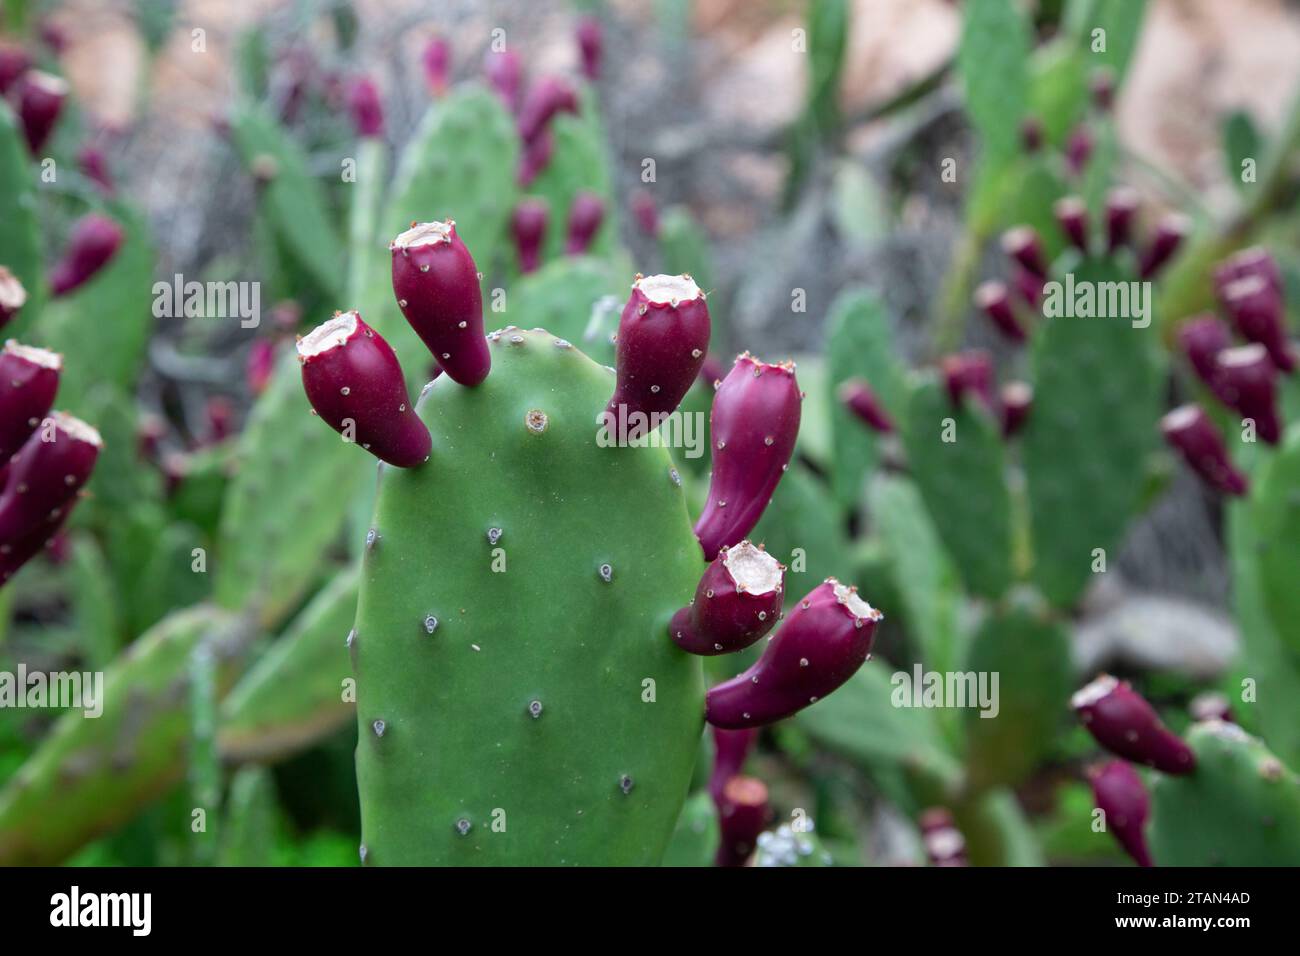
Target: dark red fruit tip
29, 380
1189, 430
994, 300
1017, 402
858, 398
1247, 382
743, 814
737, 601
1022, 244
1124, 723
528, 229
1118, 792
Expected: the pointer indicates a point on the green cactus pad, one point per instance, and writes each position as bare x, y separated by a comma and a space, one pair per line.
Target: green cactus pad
1095, 418
578, 298
963, 484
1240, 807
1276, 521
505, 716
695, 839
20, 240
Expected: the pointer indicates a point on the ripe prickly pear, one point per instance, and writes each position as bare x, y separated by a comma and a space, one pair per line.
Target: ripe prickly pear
743, 813
45, 475
365, 107
1031, 134
969, 372
730, 751
1125, 724
94, 242
1248, 380
646, 213
1254, 261
858, 398
546, 97
1190, 430
1203, 338
14, 62
1119, 794
1028, 286
29, 379
1072, 216
1017, 401
12, 296
94, 166
738, 600
1023, 245
663, 335
821, 644
1121, 211
503, 70
437, 287
535, 157
40, 99
591, 46
355, 384
585, 216
1078, 149
436, 60
993, 299
1170, 233
259, 365
1101, 86
1256, 309
528, 228
753, 426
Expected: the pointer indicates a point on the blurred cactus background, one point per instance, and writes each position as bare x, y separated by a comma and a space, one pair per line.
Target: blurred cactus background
1097, 518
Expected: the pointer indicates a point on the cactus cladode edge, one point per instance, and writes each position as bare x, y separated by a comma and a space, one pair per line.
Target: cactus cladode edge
442, 640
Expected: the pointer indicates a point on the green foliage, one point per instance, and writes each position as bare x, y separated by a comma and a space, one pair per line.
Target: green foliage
992, 60
20, 239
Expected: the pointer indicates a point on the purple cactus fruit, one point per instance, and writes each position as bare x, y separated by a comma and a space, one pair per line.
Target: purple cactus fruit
40, 98
730, 751
1072, 216
821, 644
94, 166
1202, 338
994, 300
12, 296
646, 213
219, 413
1031, 134
663, 334
1254, 261
355, 384
1118, 792
94, 242
14, 62
1101, 86
1248, 382
591, 46
503, 71
944, 843
585, 217
753, 426
1123, 722
436, 61
29, 380
1170, 233
1017, 401
1121, 212
546, 97
260, 365
1256, 309
1028, 286
365, 107
536, 156
45, 475
437, 287
969, 372
528, 228
857, 397
1023, 245
1078, 149
1190, 431
743, 814
737, 601
45, 536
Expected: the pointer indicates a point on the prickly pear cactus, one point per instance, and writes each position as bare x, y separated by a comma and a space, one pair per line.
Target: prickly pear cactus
518, 700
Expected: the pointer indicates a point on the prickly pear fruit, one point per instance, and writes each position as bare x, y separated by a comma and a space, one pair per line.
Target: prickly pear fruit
536, 156
743, 812
14, 62
1121, 211
1248, 380
738, 600
94, 166
1078, 149
1031, 134
503, 70
993, 299
1256, 309
858, 398
969, 372
46, 474
821, 644
436, 61
365, 107
585, 216
1017, 401
1190, 430
1170, 233
437, 287
94, 242
546, 97
944, 843
528, 228
591, 46
753, 426
1023, 245
730, 751
1254, 261
1125, 724
1119, 794
355, 384
663, 335
646, 213
12, 296
29, 380
40, 99
1202, 338
1072, 216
